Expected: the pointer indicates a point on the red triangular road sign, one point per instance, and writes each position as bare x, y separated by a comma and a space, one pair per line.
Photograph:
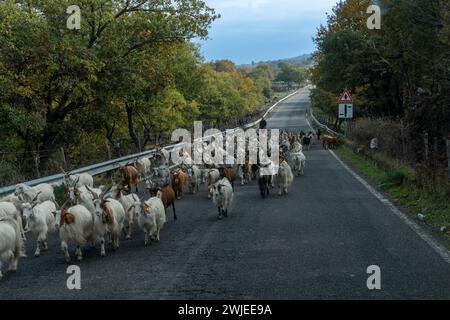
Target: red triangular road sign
346, 97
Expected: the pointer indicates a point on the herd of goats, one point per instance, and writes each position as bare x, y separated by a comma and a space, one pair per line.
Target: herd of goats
91, 216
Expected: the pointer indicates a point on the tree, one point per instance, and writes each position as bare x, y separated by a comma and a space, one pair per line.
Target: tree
401, 71
50, 73
291, 74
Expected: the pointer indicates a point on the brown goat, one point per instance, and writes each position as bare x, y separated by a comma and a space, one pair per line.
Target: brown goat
168, 198
130, 177
230, 174
329, 142
179, 182
247, 171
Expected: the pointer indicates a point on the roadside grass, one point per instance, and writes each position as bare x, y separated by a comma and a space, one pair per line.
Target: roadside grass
319, 112
431, 201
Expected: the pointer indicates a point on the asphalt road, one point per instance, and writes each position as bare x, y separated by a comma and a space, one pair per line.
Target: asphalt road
316, 242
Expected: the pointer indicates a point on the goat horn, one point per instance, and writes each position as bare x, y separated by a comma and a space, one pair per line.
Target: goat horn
105, 192
36, 197
92, 192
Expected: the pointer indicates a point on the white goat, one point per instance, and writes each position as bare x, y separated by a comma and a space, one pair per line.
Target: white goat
76, 225
223, 197
8, 209
82, 195
143, 167
14, 200
78, 180
298, 159
151, 217
43, 192
127, 202
284, 178
194, 174
109, 218
40, 220
212, 177
11, 243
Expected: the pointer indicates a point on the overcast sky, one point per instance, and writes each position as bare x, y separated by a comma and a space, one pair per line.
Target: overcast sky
255, 30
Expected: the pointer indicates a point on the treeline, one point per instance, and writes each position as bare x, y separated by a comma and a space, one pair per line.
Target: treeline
126, 79
400, 73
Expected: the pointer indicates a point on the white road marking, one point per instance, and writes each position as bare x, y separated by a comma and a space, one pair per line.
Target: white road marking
441, 250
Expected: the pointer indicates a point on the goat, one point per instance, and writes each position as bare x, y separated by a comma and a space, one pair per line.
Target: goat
151, 216
298, 159
143, 167
8, 209
109, 219
179, 182
284, 178
83, 195
168, 196
162, 157
222, 197
15, 200
194, 174
76, 225
245, 172
40, 220
78, 180
230, 174
28, 193
263, 183
130, 177
127, 202
11, 243
161, 176
212, 177
308, 139
329, 142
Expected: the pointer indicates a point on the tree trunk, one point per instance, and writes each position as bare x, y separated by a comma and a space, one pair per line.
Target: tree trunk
111, 142
131, 130
47, 143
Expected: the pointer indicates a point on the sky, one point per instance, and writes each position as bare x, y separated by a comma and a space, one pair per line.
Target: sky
259, 30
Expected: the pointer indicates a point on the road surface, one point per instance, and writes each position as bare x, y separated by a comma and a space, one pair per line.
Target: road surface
315, 243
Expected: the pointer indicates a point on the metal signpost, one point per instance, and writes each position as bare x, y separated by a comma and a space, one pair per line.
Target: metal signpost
346, 108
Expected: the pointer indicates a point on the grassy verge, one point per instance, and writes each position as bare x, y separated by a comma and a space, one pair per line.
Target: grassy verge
396, 183
281, 95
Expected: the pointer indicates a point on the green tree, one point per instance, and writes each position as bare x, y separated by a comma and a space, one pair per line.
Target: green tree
50, 73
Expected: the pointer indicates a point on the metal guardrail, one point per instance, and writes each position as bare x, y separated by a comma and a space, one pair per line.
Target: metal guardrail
111, 165
311, 115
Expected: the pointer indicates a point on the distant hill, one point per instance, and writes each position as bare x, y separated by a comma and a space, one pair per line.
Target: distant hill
303, 60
